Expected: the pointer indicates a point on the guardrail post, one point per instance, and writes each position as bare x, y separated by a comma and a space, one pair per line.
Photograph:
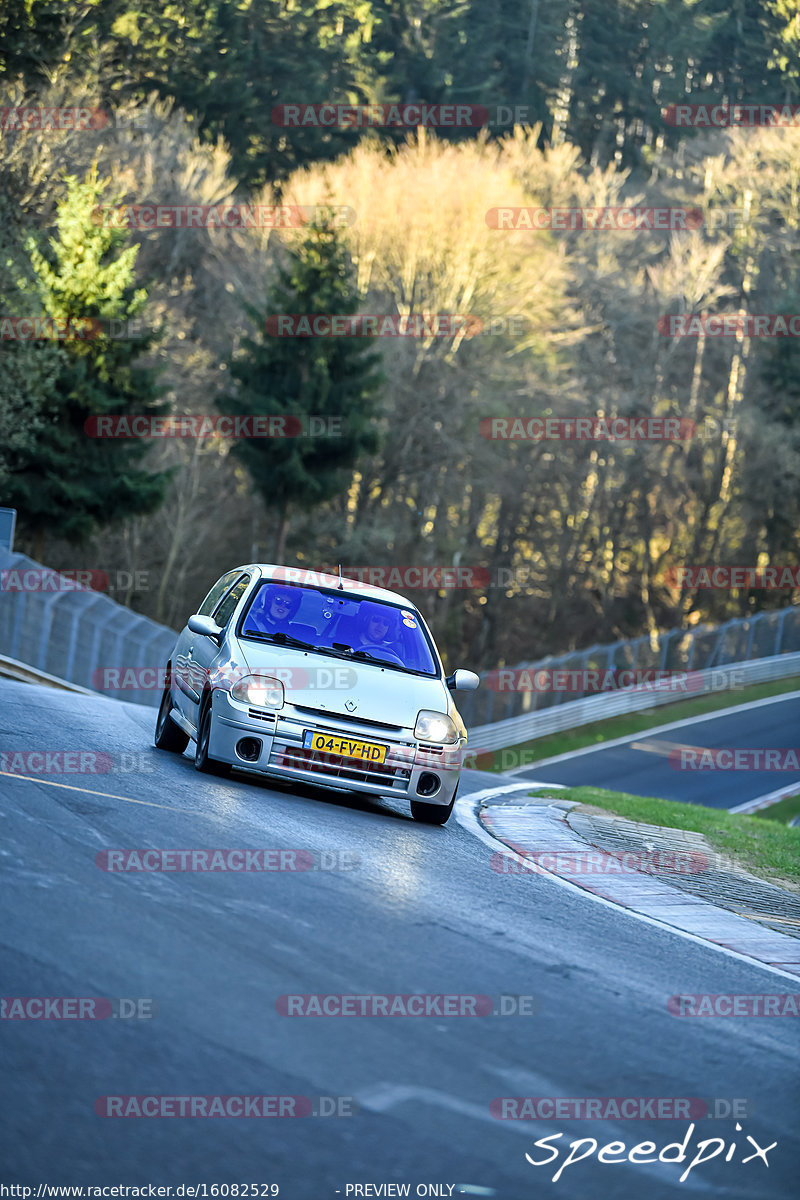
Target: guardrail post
92, 663
751, 633
19, 620
49, 607
77, 618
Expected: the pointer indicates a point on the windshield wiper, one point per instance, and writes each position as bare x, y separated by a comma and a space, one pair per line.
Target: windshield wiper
281, 639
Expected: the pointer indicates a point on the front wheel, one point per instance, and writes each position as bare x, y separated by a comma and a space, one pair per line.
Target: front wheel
202, 762
168, 735
431, 814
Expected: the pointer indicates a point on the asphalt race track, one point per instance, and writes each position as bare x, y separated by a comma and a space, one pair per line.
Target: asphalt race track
420, 912
643, 765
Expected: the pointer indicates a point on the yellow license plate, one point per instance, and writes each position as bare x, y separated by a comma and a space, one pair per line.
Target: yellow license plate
345, 747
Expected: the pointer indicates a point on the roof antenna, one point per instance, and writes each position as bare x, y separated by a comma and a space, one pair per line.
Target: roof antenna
341, 585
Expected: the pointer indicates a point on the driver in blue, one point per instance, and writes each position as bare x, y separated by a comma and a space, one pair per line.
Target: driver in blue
376, 626
278, 606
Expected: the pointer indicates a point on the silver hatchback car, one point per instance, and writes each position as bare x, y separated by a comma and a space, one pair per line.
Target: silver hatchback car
304, 676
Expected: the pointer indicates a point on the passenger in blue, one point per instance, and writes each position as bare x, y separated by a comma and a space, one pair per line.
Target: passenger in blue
276, 611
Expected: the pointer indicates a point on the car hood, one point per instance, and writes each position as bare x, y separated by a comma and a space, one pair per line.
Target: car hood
335, 685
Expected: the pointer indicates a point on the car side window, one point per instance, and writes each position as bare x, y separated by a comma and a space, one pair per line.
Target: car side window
217, 592
226, 608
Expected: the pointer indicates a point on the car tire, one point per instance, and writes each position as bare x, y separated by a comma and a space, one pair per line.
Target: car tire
168, 735
202, 762
431, 814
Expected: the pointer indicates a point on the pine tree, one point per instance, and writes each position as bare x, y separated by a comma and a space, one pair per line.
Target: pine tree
27, 369
301, 377
69, 483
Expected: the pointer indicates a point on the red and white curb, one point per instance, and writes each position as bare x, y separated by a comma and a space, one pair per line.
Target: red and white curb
541, 828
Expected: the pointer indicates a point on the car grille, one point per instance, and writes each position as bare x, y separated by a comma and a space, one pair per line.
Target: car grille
258, 714
326, 714
332, 766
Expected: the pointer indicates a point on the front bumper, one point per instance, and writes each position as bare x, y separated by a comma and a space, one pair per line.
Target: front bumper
273, 743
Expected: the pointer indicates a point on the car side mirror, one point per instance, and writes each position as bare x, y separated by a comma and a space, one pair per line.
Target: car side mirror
205, 627
463, 681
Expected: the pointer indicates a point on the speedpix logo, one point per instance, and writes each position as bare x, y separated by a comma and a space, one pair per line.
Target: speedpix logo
616, 1153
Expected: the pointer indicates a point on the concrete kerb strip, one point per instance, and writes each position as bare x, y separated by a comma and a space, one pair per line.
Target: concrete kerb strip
767, 800
530, 827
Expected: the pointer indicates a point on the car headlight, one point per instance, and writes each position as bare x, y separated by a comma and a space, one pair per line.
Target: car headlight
435, 727
261, 690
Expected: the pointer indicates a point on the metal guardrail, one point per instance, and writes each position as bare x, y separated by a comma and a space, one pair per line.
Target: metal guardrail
72, 633
524, 728
10, 668
761, 636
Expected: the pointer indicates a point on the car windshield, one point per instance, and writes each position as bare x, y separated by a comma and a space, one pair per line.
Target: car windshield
339, 624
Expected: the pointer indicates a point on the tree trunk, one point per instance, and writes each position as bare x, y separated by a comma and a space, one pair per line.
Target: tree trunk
528, 59
281, 532
38, 546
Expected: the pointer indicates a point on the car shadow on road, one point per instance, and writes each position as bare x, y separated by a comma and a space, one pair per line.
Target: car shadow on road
377, 806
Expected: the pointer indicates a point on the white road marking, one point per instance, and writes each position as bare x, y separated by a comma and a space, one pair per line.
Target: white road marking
630, 737
73, 788
382, 1097
767, 799
665, 749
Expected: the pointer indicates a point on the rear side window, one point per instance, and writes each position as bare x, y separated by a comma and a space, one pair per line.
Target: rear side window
225, 611
217, 592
